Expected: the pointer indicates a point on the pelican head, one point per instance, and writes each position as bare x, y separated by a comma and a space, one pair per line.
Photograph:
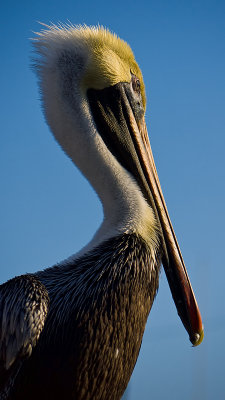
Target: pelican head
94, 102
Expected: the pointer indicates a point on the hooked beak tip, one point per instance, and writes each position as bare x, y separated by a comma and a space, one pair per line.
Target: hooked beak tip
197, 338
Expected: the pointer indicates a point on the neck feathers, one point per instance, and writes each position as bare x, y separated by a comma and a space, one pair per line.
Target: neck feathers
60, 67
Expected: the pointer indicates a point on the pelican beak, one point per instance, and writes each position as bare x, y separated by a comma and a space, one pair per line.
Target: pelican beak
172, 259
119, 116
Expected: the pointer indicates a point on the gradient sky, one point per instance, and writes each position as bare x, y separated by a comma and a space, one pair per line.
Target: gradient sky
49, 211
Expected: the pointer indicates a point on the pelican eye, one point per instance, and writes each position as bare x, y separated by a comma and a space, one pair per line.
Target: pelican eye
136, 84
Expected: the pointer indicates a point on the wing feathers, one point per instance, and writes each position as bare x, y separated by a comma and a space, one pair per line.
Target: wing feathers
23, 310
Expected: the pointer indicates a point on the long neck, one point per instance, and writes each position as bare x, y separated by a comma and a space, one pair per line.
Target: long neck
125, 209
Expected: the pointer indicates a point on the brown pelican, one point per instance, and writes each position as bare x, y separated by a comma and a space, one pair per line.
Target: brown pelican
74, 331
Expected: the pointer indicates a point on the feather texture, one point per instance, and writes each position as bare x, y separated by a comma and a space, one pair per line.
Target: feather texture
99, 305
24, 306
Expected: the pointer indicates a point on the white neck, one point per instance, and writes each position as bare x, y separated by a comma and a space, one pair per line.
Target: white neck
125, 209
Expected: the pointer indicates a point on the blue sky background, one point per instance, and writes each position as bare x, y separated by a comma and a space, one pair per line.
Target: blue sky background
49, 211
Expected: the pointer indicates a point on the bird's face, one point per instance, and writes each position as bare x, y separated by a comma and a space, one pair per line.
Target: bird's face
110, 61
111, 82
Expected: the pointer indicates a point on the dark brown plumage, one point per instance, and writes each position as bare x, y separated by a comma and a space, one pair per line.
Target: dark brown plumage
24, 304
93, 333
